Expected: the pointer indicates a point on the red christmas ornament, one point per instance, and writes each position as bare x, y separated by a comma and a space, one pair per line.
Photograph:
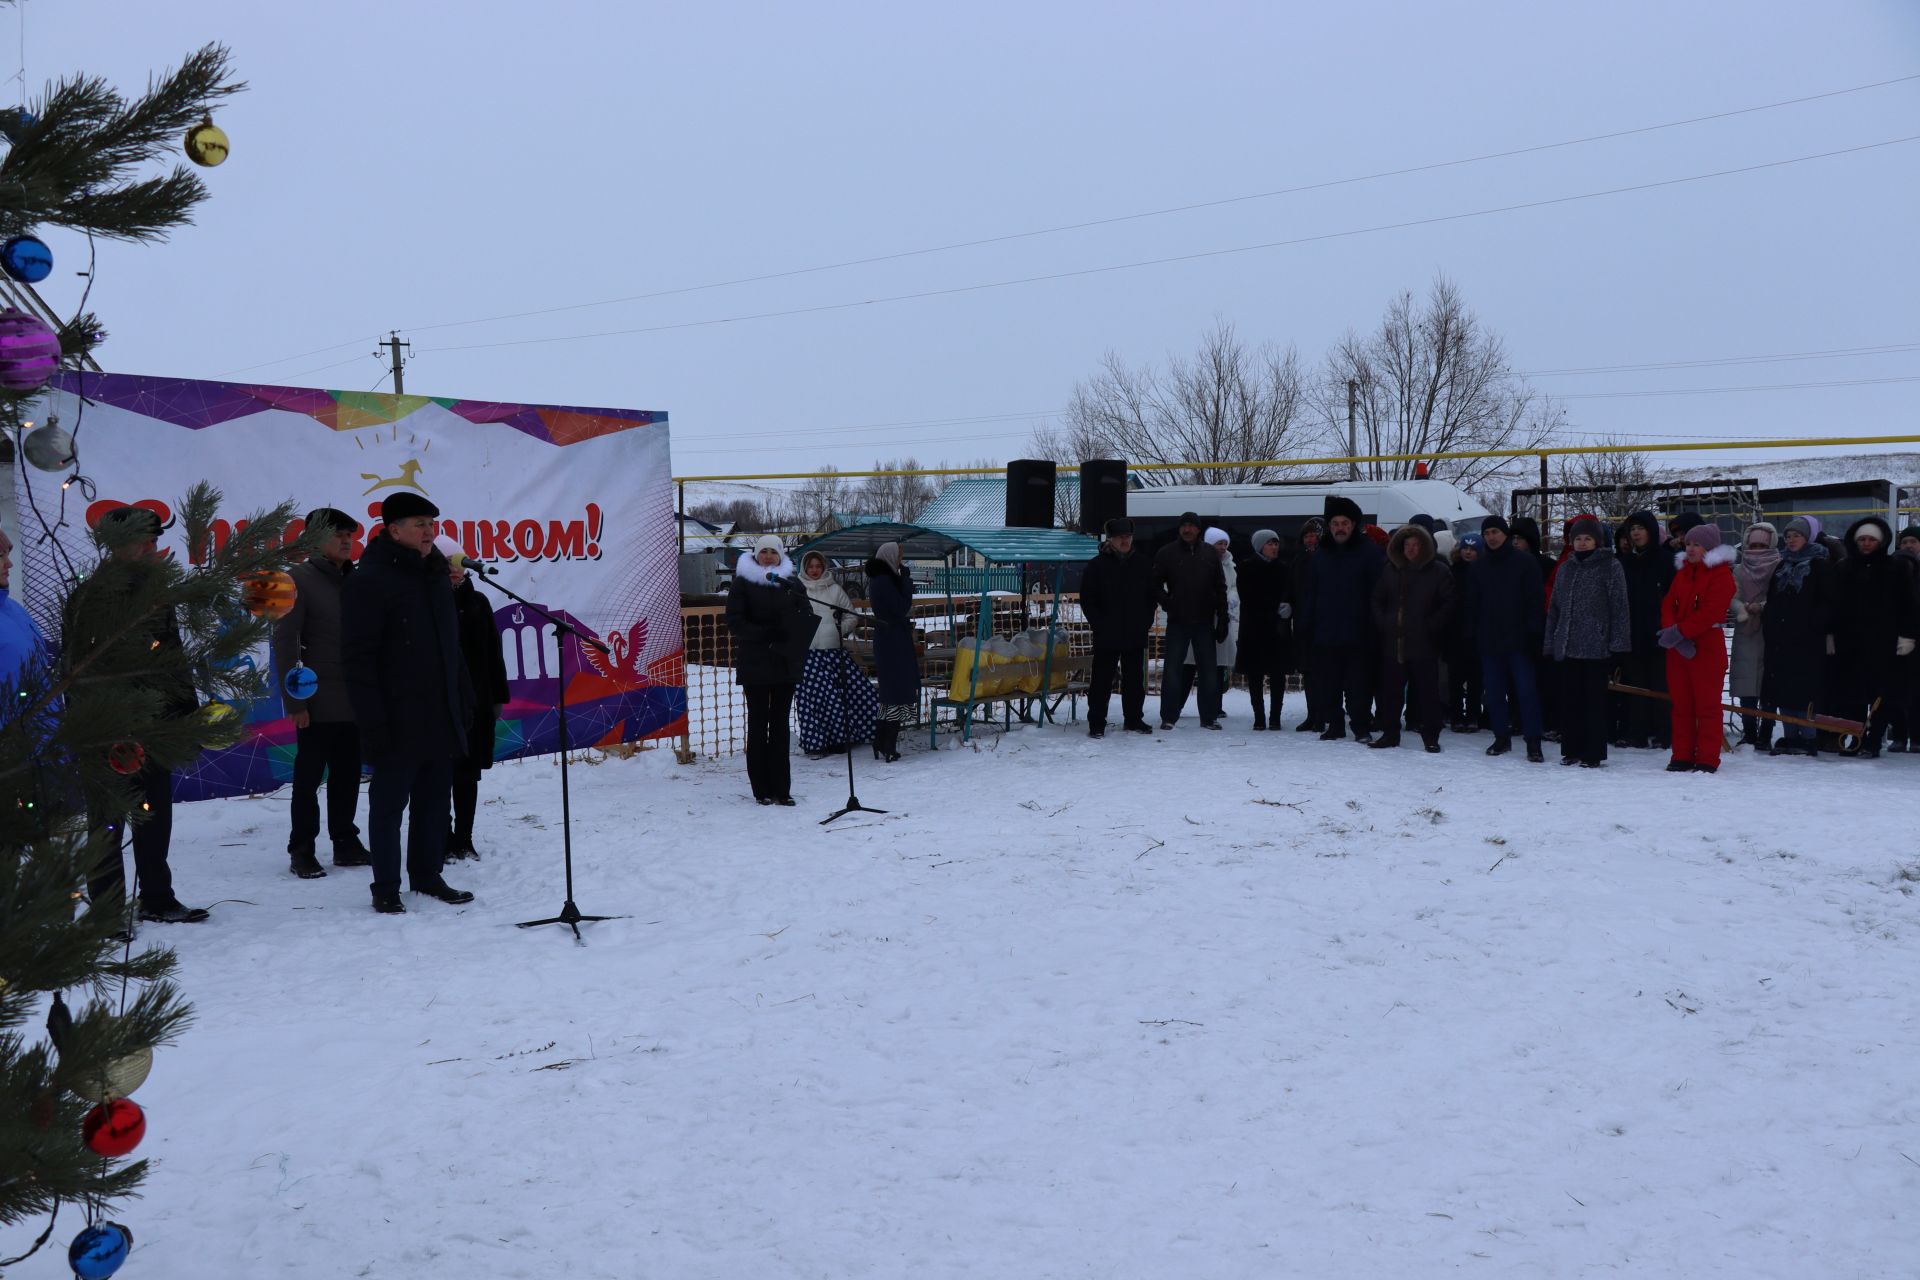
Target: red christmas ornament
114, 1128
127, 758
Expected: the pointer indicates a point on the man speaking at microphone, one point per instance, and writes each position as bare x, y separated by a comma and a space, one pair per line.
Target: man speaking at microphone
411, 696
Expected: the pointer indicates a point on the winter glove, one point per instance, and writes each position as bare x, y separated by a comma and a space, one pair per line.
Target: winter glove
1286, 611
1685, 649
1670, 638
1903, 646
1739, 611
1830, 649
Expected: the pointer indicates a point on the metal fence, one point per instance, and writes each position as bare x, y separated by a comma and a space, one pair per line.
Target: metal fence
717, 714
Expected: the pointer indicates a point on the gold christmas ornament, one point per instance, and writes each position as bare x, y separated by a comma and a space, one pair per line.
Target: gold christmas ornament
207, 144
117, 1079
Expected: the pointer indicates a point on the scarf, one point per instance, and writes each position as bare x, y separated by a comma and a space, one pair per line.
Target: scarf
1753, 571
1791, 575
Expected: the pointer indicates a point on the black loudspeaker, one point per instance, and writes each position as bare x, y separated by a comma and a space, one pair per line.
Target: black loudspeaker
1030, 493
1103, 493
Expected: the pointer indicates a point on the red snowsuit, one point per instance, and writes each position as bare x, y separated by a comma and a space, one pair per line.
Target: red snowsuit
1697, 603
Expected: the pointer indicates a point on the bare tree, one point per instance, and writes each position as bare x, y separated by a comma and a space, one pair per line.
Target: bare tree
818, 497
1225, 403
1619, 466
1431, 379
903, 497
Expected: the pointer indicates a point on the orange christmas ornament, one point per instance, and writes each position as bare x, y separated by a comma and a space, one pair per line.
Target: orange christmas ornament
268, 595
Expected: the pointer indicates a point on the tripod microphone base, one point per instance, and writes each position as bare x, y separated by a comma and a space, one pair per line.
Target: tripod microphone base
853, 806
570, 916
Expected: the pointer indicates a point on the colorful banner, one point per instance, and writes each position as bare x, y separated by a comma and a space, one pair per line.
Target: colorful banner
573, 507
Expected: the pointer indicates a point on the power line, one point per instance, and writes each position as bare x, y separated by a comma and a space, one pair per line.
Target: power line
1129, 217
1173, 209
1837, 353
1714, 391
1187, 257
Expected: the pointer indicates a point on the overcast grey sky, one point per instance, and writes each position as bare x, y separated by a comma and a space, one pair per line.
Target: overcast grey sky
408, 165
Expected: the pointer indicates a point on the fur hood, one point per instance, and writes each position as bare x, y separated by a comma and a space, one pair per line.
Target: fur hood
1401, 557
1723, 554
751, 570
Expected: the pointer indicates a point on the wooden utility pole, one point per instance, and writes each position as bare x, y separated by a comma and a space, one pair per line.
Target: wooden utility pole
1353, 440
393, 343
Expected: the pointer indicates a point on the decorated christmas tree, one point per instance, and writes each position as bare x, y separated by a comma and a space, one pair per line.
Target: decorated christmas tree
87, 700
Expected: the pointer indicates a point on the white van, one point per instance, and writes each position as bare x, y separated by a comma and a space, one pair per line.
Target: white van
1285, 506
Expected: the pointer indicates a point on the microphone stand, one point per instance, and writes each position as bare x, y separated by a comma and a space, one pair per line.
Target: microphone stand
853, 804
570, 915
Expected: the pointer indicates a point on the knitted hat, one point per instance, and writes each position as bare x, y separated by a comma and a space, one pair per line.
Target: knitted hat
1529, 528
768, 542
1378, 536
1761, 526
1911, 531
1684, 523
1261, 537
1494, 522
1444, 543
1586, 526
1314, 525
1801, 525
1704, 536
332, 519
1215, 537
1189, 518
1472, 542
399, 506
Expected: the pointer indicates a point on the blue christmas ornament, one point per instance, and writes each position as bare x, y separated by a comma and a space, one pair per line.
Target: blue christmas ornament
99, 1251
15, 123
26, 259
300, 683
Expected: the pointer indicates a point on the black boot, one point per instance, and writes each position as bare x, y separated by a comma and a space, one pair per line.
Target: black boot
1501, 745
1259, 711
885, 740
351, 853
1534, 754
459, 847
303, 863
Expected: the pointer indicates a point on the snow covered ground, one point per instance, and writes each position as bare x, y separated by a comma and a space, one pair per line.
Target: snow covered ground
1201, 1005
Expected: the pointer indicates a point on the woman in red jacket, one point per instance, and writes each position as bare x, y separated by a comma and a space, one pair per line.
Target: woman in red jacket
1691, 618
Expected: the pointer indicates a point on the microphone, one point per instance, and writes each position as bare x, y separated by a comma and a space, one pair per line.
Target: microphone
480, 567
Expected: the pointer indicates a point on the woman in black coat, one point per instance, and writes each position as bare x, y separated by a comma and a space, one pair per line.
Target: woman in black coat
772, 623
487, 670
1874, 625
896, 659
1266, 607
1411, 604
1794, 628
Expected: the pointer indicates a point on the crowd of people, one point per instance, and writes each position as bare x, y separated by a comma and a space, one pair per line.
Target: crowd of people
407, 678
1625, 639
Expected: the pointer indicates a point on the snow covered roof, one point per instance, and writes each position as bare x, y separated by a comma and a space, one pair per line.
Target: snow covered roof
924, 541
975, 502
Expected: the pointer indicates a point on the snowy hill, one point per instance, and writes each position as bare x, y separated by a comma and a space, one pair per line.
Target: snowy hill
1200, 1005
1901, 468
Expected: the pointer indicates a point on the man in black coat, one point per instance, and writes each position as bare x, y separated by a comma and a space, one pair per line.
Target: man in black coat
411, 696
326, 742
1117, 597
1336, 608
131, 537
1192, 588
1412, 603
1310, 535
1648, 564
1506, 620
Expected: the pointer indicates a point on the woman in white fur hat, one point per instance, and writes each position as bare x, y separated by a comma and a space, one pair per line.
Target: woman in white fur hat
772, 625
